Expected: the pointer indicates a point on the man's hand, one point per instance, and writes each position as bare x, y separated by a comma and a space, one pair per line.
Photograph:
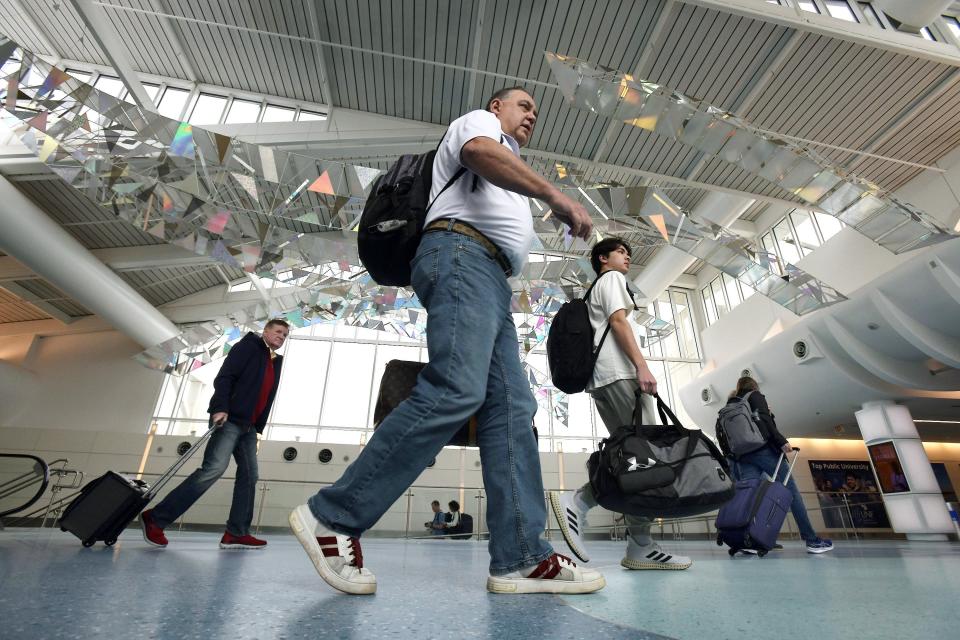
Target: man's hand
571, 213
648, 384
787, 449
219, 418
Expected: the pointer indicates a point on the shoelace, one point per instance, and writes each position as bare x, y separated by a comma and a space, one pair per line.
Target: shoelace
560, 556
356, 552
551, 567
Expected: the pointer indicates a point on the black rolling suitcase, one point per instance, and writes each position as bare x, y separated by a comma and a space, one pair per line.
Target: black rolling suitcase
109, 503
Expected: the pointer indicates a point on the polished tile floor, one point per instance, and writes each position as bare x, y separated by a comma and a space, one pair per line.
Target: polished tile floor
51, 587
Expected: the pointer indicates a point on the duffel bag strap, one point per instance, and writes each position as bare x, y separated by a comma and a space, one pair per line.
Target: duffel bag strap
638, 410
692, 435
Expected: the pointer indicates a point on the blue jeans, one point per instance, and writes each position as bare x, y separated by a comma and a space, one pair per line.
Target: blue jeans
229, 439
754, 465
474, 368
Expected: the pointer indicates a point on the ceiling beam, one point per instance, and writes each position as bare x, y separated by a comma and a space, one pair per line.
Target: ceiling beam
862, 34
38, 302
475, 57
663, 20
313, 23
922, 102
581, 162
119, 259
102, 32
172, 29
760, 83
25, 9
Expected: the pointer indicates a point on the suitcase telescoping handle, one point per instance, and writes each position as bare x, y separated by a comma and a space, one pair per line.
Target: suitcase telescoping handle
172, 471
796, 455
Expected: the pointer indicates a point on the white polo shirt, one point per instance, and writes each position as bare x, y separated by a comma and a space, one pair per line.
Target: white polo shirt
502, 216
607, 297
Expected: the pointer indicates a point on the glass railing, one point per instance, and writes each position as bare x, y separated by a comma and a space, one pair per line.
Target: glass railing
837, 514
849, 515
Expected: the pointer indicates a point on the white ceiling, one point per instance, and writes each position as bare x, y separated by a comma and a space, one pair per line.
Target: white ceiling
431, 60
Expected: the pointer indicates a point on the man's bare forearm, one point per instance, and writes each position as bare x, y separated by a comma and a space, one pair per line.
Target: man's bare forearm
627, 342
492, 162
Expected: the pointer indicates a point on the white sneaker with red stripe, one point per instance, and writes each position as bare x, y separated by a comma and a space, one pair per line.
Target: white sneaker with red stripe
556, 574
651, 556
337, 558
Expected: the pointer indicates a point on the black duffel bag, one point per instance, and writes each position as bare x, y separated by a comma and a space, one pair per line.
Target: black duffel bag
659, 471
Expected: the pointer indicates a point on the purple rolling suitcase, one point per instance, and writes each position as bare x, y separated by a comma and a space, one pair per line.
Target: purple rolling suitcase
752, 520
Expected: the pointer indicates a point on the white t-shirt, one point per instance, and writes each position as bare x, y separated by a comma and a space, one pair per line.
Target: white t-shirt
608, 296
502, 216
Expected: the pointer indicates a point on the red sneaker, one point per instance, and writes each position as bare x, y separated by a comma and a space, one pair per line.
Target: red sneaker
151, 532
230, 541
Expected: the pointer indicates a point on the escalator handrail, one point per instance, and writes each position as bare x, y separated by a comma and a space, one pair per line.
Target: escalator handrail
43, 484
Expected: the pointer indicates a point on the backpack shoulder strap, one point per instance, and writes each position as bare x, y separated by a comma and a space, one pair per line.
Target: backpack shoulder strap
586, 298
456, 176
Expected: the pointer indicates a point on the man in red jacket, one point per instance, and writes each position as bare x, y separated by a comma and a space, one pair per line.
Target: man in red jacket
243, 393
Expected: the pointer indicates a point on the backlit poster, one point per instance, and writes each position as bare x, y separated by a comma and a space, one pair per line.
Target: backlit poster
848, 495
888, 468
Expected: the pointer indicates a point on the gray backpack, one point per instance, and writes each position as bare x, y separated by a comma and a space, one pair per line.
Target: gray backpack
737, 425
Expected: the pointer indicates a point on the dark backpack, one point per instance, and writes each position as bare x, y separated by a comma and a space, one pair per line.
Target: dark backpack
392, 220
738, 428
570, 350
465, 530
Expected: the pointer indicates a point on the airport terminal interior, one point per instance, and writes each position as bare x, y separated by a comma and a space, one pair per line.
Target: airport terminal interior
174, 174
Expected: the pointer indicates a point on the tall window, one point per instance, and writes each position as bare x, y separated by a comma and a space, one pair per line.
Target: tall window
172, 102
795, 236
953, 23
331, 377
840, 9
870, 15
208, 109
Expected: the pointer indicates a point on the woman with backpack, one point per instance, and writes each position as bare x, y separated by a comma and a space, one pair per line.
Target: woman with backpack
735, 437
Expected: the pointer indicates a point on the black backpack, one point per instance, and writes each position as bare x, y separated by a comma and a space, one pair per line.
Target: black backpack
392, 220
465, 530
570, 351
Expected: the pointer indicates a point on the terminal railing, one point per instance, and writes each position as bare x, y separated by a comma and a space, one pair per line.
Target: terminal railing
840, 519
847, 514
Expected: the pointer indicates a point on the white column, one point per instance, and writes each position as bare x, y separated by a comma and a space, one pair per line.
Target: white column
920, 512
30, 236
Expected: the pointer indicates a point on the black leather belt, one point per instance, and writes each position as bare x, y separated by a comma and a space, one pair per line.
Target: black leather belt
466, 229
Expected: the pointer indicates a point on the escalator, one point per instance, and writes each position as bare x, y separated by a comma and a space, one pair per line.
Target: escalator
23, 479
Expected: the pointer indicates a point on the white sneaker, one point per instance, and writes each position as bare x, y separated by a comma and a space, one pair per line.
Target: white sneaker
651, 556
556, 574
571, 521
338, 559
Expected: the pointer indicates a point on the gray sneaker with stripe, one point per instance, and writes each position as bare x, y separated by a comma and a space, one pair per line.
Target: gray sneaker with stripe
571, 522
651, 556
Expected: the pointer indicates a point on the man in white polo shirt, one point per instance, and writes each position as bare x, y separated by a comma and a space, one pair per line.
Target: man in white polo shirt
477, 234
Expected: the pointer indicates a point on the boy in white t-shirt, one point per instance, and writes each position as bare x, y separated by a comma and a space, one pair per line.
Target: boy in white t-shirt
620, 370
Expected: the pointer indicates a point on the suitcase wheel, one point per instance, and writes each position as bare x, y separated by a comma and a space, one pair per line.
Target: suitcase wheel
732, 552
89, 543
761, 553
64, 529
719, 541
110, 542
